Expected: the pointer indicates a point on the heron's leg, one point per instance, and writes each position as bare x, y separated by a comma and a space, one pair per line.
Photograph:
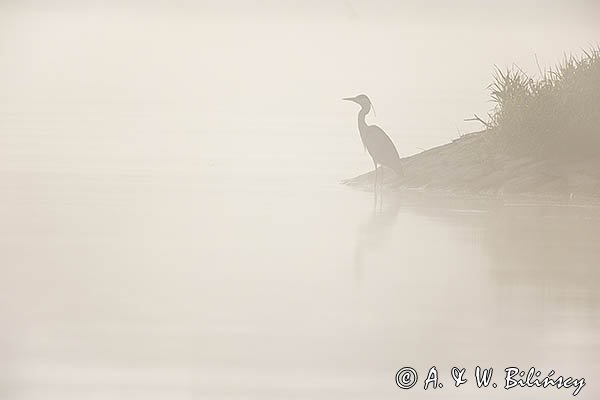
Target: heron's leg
375, 181
374, 203
381, 188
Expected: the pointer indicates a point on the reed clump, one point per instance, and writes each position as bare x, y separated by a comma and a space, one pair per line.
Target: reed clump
555, 114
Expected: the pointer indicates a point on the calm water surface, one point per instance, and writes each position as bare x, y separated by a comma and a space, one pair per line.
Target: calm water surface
174, 263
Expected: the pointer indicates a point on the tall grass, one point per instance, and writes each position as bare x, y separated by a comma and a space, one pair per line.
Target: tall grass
556, 114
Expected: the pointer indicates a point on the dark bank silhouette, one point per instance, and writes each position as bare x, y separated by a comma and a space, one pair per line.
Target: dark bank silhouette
375, 140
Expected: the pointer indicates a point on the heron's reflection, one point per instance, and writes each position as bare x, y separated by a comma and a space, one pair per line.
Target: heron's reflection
375, 230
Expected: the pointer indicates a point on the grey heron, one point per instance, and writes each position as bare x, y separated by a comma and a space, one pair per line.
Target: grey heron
375, 140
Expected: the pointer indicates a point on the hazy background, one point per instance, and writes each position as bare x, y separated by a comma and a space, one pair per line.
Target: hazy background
424, 64
172, 223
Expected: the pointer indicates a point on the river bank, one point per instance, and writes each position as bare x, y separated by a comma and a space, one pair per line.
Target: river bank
465, 167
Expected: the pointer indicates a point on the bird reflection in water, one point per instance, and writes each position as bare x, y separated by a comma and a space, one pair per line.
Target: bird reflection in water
374, 232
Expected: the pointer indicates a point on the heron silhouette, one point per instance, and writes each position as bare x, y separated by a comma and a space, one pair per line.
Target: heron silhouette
375, 140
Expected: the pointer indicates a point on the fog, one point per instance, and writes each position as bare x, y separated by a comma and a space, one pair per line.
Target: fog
173, 223
426, 67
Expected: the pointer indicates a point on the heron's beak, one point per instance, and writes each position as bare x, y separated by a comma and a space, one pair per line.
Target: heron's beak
349, 98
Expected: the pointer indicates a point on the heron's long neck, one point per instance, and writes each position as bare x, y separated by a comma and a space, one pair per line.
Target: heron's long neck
362, 124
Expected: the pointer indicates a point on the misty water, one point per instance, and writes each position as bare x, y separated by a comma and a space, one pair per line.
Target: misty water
183, 264
173, 223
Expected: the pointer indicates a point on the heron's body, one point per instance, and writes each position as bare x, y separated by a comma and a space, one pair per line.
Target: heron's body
378, 144
375, 140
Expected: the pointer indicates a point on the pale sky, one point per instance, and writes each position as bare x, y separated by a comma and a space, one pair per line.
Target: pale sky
423, 63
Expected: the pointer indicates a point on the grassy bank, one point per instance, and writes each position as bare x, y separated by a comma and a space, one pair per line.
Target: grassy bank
556, 114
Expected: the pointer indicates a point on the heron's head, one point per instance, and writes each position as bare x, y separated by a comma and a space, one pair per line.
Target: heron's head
361, 100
